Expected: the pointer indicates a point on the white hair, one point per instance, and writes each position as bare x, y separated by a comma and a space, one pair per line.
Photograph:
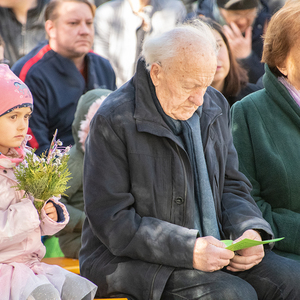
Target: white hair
165, 46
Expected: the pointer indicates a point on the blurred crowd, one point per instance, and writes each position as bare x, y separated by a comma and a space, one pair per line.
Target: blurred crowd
72, 54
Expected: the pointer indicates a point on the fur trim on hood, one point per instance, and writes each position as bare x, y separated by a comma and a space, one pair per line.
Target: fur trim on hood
85, 124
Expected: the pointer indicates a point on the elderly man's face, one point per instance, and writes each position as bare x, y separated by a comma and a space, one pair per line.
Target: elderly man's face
181, 85
72, 33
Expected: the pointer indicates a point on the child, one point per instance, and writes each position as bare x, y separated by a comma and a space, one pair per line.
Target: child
22, 275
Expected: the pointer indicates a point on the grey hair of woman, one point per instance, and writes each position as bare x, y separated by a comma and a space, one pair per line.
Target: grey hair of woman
165, 46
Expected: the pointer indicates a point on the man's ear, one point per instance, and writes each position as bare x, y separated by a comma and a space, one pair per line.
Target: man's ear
155, 73
49, 27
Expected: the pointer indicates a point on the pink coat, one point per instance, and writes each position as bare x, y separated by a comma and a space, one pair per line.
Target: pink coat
21, 271
20, 226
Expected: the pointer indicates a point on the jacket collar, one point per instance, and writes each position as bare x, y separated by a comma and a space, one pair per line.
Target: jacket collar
146, 115
280, 95
148, 119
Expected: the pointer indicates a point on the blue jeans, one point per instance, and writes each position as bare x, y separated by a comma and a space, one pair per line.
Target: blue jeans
275, 278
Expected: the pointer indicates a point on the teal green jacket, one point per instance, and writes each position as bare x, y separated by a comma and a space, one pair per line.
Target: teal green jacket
266, 134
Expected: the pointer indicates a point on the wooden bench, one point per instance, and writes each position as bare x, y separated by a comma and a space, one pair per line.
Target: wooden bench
69, 264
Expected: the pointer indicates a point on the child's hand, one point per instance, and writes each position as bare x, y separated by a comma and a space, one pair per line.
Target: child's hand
50, 211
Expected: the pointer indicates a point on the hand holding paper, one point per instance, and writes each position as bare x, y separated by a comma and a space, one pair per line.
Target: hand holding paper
248, 250
246, 243
209, 254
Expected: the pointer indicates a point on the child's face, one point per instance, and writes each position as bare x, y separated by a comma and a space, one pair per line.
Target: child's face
13, 128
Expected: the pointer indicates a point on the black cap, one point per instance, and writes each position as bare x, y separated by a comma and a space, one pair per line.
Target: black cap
237, 4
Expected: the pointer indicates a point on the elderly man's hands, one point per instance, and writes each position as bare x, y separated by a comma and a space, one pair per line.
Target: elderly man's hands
240, 45
210, 255
247, 258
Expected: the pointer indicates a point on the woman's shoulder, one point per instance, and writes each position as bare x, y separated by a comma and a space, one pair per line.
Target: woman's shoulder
251, 87
254, 97
251, 105
248, 89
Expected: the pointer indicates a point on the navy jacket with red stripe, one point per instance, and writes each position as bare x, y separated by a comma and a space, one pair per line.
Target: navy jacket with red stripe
56, 86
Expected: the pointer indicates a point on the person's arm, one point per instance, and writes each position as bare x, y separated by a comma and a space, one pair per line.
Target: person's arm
54, 217
17, 221
281, 220
110, 206
239, 211
241, 217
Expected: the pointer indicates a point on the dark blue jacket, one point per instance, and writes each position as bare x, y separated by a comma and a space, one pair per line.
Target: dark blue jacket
56, 86
252, 63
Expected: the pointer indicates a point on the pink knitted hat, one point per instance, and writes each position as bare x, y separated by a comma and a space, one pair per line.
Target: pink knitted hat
14, 93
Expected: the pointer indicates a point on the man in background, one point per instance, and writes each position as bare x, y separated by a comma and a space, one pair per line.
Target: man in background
59, 71
21, 26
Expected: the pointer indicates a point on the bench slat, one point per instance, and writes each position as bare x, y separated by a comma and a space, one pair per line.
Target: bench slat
69, 264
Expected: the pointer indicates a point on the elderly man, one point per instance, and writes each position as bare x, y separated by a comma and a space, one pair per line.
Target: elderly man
162, 187
61, 70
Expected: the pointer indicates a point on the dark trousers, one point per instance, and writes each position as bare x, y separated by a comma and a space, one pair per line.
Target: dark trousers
275, 278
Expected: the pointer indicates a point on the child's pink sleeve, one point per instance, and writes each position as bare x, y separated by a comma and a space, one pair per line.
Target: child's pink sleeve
50, 227
17, 222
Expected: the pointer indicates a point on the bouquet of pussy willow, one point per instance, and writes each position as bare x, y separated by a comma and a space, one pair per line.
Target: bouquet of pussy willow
44, 176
